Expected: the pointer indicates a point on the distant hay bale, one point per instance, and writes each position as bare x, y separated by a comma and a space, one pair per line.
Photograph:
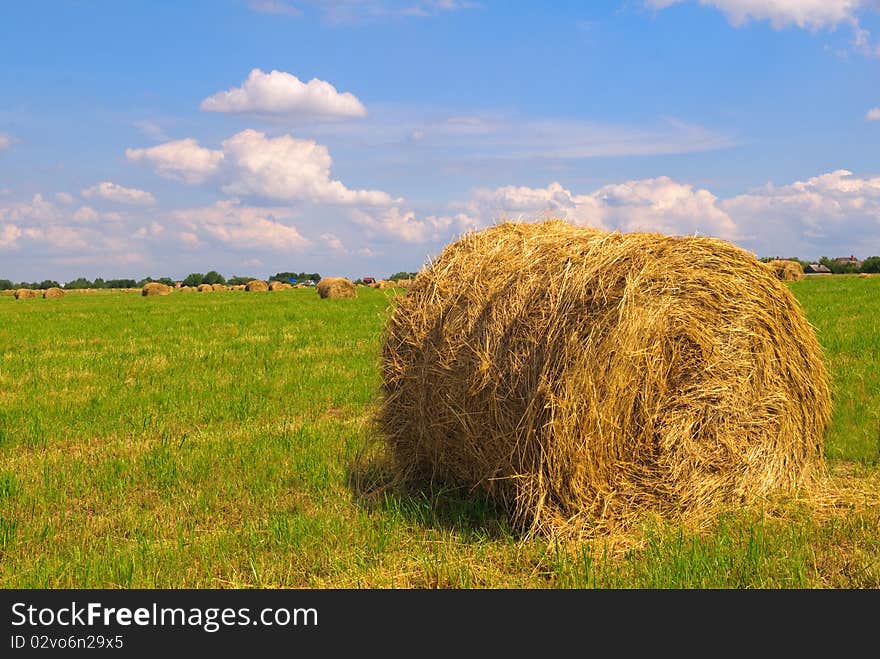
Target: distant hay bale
403, 283
257, 285
26, 294
583, 378
219, 287
279, 286
863, 275
155, 288
205, 288
186, 289
53, 292
383, 283
336, 287
787, 270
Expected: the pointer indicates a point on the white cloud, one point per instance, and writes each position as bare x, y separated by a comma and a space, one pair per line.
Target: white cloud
278, 92
333, 242
65, 198
9, 234
5, 141
86, 214
809, 14
184, 160
37, 210
277, 7
659, 205
240, 227
114, 192
287, 168
400, 224
873, 114
282, 168
832, 211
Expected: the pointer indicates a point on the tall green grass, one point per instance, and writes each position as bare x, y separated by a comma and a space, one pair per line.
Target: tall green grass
217, 440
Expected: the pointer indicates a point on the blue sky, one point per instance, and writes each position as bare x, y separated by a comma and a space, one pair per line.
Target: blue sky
359, 137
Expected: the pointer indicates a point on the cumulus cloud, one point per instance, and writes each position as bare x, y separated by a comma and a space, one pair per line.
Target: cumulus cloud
657, 204
832, 212
5, 141
873, 114
811, 15
86, 214
114, 192
333, 242
9, 234
278, 92
836, 210
240, 227
184, 160
282, 168
152, 130
808, 14
65, 198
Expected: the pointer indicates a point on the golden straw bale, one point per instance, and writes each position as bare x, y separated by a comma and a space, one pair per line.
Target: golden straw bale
26, 294
336, 287
257, 285
53, 292
863, 275
278, 286
205, 288
155, 288
584, 378
787, 270
219, 287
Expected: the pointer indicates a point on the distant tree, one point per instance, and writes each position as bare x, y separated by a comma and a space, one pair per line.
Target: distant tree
239, 280
402, 275
168, 281
122, 283
194, 279
6, 285
837, 267
298, 276
48, 283
871, 264
213, 277
80, 282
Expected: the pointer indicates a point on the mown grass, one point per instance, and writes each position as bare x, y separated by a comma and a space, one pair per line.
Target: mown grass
218, 440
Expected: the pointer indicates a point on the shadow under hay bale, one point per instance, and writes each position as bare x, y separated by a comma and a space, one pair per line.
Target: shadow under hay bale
155, 288
336, 287
787, 270
256, 285
53, 292
582, 379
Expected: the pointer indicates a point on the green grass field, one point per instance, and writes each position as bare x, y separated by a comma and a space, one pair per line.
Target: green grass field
218, 440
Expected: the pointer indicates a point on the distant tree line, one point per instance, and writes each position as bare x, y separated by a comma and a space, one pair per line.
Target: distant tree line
870, 264
192, 279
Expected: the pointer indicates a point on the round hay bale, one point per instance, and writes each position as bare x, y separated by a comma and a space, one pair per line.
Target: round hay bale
278, 286
155, 288
336, 287
787, 270
219, 287
26, 294
583, 378
257, 285
205, 288
863, 275
186, 289
53, 292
